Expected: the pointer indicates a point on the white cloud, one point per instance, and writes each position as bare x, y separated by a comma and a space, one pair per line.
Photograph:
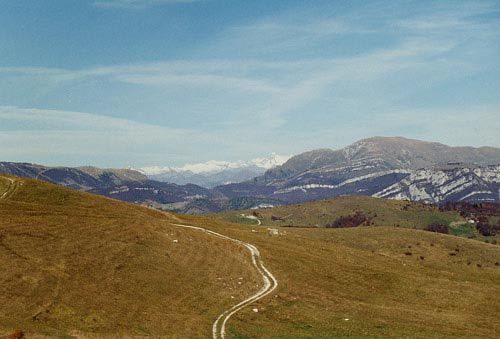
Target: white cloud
75, 121
267, 92
200, 80
210, 74
41, 133
138, 4
476, 125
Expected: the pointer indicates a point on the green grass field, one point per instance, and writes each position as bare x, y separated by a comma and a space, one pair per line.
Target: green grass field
75, 265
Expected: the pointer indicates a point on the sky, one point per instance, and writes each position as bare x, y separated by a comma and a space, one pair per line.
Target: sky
116, 83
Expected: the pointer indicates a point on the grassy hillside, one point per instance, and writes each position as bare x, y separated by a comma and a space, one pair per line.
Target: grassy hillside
371, 282
382, 212
74, 265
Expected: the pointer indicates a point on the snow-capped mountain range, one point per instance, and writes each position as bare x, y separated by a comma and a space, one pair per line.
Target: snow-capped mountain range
214, 172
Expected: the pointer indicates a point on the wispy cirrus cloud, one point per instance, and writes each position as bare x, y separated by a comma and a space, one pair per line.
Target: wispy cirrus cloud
33, 132
138, 4
269, 92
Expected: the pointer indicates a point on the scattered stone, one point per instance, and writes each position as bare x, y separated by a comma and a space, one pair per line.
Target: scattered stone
256, 310
273, 231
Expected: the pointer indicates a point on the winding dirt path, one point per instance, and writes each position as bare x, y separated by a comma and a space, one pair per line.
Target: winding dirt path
12, 187
270, 283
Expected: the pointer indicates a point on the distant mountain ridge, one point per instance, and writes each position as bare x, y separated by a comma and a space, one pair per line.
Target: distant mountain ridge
368, 167
386, 152
393, 168
214, 173
122, 184
81, 178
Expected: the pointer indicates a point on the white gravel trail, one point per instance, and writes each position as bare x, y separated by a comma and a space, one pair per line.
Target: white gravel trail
270, 283
11, 183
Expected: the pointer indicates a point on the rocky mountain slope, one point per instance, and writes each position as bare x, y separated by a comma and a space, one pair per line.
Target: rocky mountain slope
458, 183
396, 168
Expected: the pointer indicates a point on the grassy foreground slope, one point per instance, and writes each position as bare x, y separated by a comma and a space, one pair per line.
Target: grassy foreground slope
382, 212
77, 265
371, 282
74, 265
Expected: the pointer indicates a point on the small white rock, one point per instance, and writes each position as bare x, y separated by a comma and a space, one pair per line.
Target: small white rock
346, 319
255, 310
176, 241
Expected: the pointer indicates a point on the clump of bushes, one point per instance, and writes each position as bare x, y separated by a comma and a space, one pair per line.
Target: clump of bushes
354, 220
436, 227
486, 229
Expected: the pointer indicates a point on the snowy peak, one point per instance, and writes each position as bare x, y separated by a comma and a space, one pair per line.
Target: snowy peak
211, 166
214, 166
271, 161
214, 172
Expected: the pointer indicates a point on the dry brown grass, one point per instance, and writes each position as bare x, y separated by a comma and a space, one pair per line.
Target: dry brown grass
363, 274
73, 263
78, 265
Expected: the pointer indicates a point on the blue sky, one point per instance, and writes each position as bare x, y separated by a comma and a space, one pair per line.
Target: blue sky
116, 83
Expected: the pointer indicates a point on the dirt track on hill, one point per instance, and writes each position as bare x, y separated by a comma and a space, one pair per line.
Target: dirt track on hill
12, 187
270, 283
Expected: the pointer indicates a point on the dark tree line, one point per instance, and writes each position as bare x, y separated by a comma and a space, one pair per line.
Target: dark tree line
481, 213
438, 228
